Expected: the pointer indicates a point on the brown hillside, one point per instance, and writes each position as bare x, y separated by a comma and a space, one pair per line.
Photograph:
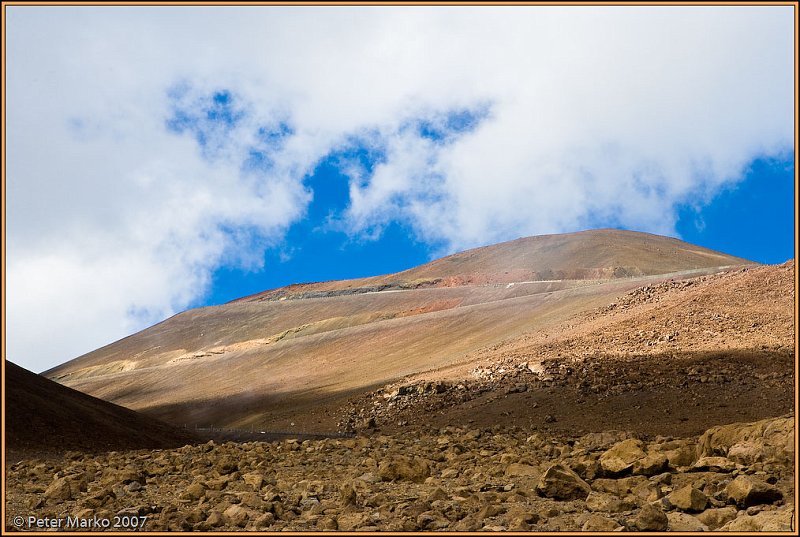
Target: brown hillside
283, 359
670, 359
45, 418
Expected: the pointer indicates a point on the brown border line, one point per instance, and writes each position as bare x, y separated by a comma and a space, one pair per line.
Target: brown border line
795, 4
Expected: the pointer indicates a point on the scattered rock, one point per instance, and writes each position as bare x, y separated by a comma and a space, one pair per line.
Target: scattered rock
600, 523
745, 491
684, 522
606, 503
622, 456
236, 515
347, 495
714, 464
688, 498
401, 467
772, 521
651, 518
716, 518
516, 469
195, 491
449, 479
255, 480
561, 483
650, 464
59, 491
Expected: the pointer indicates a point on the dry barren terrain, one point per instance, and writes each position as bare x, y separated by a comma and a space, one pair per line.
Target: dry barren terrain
291, 358
597, 381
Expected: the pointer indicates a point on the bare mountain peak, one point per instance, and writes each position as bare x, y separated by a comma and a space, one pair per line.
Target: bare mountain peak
595, 254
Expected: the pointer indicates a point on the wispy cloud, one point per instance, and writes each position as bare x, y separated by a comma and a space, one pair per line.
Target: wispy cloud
158, 143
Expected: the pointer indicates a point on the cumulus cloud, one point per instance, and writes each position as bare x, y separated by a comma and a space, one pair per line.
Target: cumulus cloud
156, 144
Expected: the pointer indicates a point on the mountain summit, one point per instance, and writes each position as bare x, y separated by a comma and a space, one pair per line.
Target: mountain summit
291, 357
593, 254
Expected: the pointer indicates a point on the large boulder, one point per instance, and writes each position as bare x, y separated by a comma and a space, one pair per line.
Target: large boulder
650, 464
688, 498
771, 521
561, 483
622, 456
746, 491
716, 518
651, 518
766, 440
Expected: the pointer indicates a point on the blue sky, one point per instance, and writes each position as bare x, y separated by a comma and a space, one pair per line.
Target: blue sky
753, 219
241, 148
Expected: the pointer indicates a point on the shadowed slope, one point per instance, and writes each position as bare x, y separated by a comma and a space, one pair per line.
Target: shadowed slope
43, 417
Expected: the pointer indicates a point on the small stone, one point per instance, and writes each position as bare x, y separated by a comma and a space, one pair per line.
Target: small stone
438, 494
600, 523
256, 481
651, 464
681, 456
236, 515
351, 521
714, 464
347, 495
194, 492
264, 521
59, 491
684, 522
450, 473
607, 503
327, 523
214, 519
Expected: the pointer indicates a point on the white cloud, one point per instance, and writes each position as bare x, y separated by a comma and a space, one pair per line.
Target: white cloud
595, 116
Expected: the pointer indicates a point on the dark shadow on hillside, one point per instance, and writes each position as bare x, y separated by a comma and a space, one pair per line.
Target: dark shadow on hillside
669, 394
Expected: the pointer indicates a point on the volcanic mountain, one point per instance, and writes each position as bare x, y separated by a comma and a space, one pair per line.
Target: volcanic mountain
292, 358
45, 418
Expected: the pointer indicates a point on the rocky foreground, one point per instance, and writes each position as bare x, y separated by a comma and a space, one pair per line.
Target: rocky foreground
737, 477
